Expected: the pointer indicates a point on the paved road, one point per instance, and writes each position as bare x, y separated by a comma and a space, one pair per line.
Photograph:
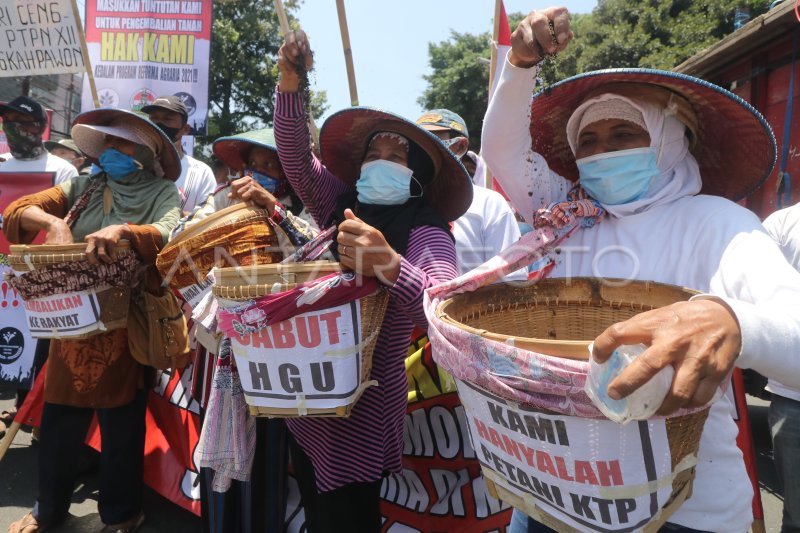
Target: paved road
18, 472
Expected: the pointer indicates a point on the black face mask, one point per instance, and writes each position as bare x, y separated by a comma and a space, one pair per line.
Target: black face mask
172, 133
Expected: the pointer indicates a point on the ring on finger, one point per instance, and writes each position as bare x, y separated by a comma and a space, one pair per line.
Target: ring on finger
344, 250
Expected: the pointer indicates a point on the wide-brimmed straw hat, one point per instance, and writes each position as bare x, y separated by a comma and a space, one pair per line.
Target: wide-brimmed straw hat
733, 144
234, 150
343, 143
91, 127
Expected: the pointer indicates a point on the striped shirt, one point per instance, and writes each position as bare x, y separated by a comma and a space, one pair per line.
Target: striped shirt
369, 443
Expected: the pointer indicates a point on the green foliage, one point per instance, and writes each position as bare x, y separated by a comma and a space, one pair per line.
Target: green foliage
616, 34
245, 40
460, 79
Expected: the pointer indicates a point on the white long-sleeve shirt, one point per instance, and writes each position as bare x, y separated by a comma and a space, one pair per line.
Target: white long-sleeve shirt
784, 227
702, 242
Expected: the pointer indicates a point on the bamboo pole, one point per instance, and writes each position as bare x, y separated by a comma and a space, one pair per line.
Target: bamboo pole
86, 61
5, 444
492, 66
283, 20
495, 37
348, 52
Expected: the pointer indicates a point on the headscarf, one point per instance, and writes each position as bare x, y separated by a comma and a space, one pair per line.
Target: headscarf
680, 174
397, 221
139, 198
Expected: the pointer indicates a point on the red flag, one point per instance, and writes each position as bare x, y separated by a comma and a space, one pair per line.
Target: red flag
30, 412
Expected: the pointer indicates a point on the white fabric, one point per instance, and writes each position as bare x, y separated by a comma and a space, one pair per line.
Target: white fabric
703, 242
680, 175
487, 228
47, 162
784, 227
195, 183
614, 108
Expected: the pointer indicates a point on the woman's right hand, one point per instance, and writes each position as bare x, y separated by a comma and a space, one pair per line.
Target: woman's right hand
293, 55
533, 39
58, 232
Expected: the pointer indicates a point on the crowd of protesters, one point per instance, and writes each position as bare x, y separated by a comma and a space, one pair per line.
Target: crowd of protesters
659, 166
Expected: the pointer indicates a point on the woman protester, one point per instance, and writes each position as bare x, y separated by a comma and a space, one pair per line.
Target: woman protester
664, 154
391, 187
241, 507
132, 198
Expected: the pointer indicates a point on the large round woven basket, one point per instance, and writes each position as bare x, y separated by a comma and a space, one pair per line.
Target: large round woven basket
560, 318
244, 283
237, 235
112, 301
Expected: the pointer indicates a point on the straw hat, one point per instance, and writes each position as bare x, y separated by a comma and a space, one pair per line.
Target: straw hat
343, 143
234, 150
90, 128
732, 142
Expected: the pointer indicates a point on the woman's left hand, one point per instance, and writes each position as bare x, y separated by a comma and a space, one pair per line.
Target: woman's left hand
247, 189
701, 339
364, 250
101, 244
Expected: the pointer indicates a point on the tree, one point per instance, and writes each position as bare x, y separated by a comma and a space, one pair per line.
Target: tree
244, 46
617, 33
460, 79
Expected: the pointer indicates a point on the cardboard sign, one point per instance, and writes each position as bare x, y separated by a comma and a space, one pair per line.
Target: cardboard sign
194, 293
594, 475
312, 360
40, 37
63, 315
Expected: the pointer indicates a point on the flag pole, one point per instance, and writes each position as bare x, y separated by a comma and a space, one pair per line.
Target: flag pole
348, 52
86, 61
283, 20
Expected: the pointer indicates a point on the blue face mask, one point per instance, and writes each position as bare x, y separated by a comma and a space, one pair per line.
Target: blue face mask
118, 165
384, 183
616, 178
268, 182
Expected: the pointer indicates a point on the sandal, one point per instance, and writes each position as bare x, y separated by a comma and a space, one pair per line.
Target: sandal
125, 527
7, 416
27, 524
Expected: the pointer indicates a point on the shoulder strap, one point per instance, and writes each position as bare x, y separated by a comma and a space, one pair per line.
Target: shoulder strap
81, 203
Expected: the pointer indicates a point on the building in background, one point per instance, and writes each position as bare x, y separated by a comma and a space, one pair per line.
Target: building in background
59, 92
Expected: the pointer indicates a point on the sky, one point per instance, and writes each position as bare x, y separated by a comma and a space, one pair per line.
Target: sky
389, 42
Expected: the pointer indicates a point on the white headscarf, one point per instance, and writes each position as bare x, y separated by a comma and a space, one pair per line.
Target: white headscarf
680, 174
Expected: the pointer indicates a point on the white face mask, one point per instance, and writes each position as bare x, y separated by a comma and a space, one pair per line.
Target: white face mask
384, 183
616, 178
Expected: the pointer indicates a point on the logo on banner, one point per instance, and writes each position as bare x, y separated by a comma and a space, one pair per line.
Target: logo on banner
188, 101
108, 98
141, 98
12, 344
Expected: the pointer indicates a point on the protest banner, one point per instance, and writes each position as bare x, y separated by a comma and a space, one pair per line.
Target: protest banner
17, 346
311, 361
63, 315
552, 464
141, 49
39, 37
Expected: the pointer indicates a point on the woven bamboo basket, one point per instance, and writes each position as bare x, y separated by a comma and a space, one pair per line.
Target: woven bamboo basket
245, 283
561, 318
112, 301
238, 235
